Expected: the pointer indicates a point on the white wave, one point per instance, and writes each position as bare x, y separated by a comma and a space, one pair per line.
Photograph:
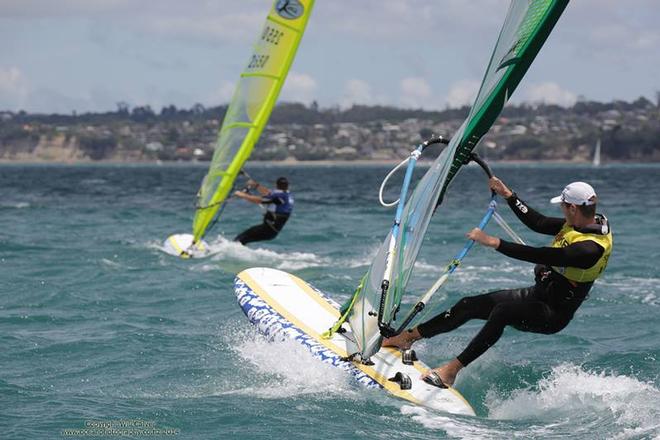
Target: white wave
640, 289
421, 267
362, 261
93, 181
15, 205
454, 426
651, 299
110, 263
281, 369
629, 406
223, 249
570, 402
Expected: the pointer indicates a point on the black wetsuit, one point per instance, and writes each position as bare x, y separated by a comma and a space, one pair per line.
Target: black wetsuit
546, 307
280, 207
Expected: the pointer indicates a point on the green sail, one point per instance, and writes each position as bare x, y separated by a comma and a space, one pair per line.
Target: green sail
526, 27
251, 105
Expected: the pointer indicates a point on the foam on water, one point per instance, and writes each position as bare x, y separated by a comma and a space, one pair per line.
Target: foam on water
364, 260
223, 249
14, 205
569, 392
281, 369
233, 255
643, 290
454, 426
569, 402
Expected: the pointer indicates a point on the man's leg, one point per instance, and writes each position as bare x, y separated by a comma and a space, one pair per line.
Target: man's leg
471, 307
530, 316
256, 233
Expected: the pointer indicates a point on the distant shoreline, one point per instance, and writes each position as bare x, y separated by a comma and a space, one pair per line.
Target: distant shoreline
307, 163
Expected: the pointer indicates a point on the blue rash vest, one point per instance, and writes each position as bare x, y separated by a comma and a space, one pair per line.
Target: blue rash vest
278, 202
279, 206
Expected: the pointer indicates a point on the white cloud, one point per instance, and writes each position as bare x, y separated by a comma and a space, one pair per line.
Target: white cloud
416, 93
299, 87
380, 41
356, 91
223, 94
549, 93
14, 88
462, 93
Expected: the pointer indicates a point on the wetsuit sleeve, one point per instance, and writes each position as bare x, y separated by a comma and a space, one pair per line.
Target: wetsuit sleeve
583, 254
271, 198
534, 220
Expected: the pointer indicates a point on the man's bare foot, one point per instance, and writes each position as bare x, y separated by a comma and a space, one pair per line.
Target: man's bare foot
404, 340
447, 372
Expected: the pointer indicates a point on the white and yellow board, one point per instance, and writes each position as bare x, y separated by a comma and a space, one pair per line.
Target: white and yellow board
282, 306
181, 245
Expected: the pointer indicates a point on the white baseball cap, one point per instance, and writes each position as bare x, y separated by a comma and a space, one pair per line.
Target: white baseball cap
576, 193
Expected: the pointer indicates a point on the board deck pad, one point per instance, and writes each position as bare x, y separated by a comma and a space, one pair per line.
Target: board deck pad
283, 306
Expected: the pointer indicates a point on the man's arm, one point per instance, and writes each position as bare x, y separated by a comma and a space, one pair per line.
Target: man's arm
532, 219
259, 187
583, 254
249, 197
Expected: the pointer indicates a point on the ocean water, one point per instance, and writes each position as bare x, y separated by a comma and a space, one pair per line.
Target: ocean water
99, 329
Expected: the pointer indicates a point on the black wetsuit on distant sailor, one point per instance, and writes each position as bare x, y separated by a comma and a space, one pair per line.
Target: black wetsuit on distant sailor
279, 206
546, 307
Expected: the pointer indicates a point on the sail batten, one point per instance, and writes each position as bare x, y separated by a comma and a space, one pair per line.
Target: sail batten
260, 75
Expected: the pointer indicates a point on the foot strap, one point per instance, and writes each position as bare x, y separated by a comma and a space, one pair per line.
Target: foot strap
408, 356
434, 379
402, 379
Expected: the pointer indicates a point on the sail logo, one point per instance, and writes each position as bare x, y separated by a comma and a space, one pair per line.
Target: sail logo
289, 9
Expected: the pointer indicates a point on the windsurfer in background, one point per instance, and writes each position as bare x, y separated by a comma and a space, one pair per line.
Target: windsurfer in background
279, 205
564, 274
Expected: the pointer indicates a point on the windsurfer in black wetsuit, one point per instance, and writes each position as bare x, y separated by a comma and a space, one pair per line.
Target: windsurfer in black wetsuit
564, 274
279, 205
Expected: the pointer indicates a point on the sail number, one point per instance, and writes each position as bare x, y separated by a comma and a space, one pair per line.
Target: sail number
258, 61
272, 35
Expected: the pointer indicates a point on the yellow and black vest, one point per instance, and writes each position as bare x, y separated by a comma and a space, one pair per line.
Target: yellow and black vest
568, 235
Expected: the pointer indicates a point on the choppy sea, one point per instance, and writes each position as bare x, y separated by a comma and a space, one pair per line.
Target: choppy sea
103, 333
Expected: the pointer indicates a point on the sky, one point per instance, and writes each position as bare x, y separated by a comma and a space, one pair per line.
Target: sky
60, 56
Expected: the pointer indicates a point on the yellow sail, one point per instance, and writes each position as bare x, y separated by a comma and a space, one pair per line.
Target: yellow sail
251, 105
